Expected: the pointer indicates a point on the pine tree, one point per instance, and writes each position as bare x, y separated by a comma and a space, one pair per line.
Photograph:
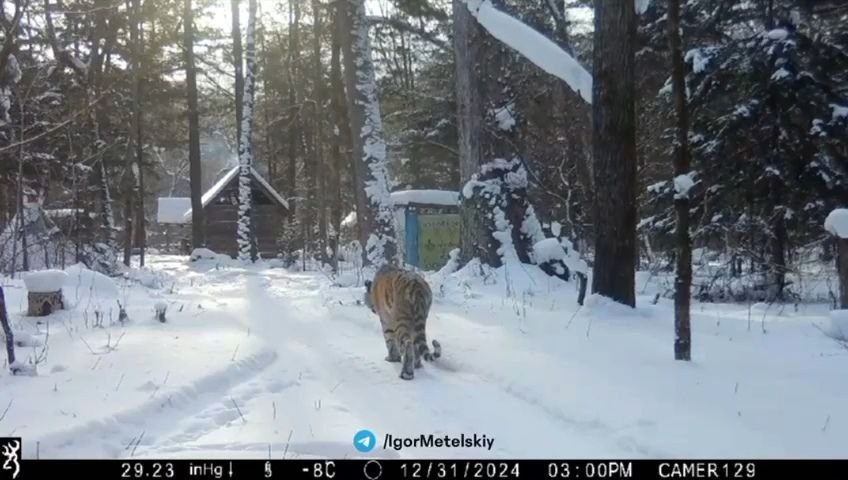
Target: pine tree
614, 151
197, 221
683, 278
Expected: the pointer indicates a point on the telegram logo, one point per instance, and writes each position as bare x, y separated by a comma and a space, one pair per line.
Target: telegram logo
364, 441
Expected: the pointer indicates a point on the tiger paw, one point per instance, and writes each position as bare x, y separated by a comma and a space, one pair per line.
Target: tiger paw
392, 359
406, 375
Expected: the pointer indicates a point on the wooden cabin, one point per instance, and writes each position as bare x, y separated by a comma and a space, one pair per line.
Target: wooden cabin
220, 214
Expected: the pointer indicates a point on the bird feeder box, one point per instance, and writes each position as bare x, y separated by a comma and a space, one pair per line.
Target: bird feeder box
44, 292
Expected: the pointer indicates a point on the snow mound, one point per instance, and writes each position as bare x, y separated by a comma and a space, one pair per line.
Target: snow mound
836, 222
547, 250
25, 339
838, 325
44, 281
203, 254
146, 277
82, 279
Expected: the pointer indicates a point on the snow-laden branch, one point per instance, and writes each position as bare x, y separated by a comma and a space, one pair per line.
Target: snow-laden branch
536, 47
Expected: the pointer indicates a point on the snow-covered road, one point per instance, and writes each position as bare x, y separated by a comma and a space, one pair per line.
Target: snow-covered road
328, 380
259, 362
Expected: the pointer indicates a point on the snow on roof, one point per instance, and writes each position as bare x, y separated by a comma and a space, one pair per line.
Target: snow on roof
223, 181
428, 197
173, 209
837, 222
44, 281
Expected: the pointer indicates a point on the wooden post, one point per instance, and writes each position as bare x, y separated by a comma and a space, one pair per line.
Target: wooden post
10, 340
842, 269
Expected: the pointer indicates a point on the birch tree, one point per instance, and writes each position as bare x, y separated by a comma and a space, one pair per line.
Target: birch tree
244, 234
374, 205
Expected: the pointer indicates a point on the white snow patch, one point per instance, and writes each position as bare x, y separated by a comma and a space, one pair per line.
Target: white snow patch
838, 328
699, 58
173, 210
778, 34
349, 220
203, 254
504, 117
839, 111
429, 197
642, 6
94, 284
44, 281
682, 185
780, 74
836, 222
547, 250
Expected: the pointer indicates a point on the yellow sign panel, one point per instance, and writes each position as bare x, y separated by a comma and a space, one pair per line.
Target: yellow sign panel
438, 234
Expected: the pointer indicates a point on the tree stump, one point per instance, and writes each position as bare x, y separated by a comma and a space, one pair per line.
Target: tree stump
842, 270
836, 224
42, 304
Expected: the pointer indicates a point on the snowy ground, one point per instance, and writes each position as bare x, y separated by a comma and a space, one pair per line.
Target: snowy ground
259, 361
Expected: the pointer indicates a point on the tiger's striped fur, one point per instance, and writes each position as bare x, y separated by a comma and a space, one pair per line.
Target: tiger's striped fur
402, 300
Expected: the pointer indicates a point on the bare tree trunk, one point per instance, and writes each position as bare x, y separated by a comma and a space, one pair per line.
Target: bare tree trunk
237, 63
683, 279
21, 227
197, 227
318, 186
7, 330
476, 237
128, 180
375, 210
614, 145
341, 137
294, 120
136, 24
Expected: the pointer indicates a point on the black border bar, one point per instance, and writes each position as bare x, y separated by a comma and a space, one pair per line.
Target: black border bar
394, 469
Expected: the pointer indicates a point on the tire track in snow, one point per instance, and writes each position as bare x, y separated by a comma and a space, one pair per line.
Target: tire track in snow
112, 435
455, 383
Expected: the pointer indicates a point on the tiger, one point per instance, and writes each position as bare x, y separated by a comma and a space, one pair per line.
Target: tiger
402, 299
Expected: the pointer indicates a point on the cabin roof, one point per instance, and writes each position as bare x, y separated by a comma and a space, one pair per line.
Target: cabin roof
228, 177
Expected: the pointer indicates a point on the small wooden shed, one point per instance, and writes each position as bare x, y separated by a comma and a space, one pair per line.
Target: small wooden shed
427, 221
220, 213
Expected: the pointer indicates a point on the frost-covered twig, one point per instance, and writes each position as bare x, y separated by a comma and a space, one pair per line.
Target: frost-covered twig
238, 410
2, 416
